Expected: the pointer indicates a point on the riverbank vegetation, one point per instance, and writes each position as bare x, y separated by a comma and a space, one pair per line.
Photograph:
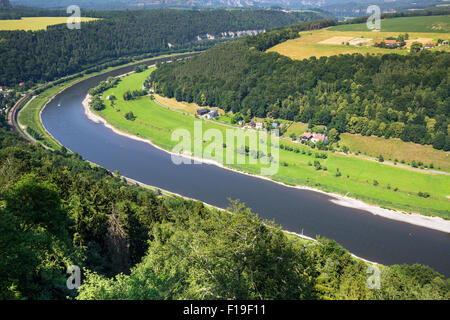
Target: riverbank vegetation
396, 187
57, 210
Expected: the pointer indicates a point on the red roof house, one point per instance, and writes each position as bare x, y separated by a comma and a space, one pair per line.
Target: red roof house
306, 136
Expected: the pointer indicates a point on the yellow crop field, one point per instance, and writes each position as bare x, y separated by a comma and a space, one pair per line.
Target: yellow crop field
35, 23
326, 42
392, 149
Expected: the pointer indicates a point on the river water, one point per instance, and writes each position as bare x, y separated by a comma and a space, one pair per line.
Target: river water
365, 235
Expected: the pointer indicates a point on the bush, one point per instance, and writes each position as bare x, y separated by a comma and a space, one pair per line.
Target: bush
423, 194
130, 116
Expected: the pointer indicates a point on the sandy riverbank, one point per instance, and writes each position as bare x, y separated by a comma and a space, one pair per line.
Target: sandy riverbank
435, 223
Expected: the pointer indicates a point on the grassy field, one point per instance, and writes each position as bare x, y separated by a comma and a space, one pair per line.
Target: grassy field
190, 108
395, 187
28, 116
392, 149
311, 43
437, 24
35, 23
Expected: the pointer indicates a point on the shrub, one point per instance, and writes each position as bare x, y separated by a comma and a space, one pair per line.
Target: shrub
130, 116
423, 194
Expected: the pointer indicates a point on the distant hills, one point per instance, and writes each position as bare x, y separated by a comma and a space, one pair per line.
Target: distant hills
5, 4
340, 8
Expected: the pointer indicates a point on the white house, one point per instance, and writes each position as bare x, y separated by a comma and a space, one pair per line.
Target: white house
212, 114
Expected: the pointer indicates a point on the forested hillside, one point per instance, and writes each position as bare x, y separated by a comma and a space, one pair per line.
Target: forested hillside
390, 95
131, 243
46, 55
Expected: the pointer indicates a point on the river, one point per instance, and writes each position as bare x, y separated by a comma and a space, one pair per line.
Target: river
365, 235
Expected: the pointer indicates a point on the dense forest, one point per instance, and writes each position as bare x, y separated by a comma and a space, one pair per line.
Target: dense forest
57, 210
403, 96
58, 51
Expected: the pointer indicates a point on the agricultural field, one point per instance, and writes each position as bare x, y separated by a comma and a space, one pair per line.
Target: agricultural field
394, 148
434, 24
387, 186
35, 23
190, 108
349, 39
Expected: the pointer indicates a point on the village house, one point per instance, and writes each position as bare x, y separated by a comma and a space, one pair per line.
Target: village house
202, 112
251, 125
428, 46
306, 136
391, 43
319, 137
313, 137
212, 114
259, 125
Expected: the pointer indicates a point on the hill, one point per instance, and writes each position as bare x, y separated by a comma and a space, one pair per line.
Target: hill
46, 55
400, 96
435, 24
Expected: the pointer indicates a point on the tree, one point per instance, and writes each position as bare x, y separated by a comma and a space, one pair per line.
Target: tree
439, 141
130, 116
333, 135
127, 95
416, 46
221, 262
37, 204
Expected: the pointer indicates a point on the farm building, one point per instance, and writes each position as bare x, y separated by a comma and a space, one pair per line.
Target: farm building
391, 43
212, 114
202, 112
428, 46
306, 136
316, 137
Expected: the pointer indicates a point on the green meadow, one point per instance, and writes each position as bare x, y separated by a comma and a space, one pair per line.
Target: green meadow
439, 24
28, 116
373, 182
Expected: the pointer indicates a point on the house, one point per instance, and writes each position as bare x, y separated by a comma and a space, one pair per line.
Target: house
428, 46
202, 112
1, 88
274, 125
316, 137
306, 136
391, 43
259, 125
212, 114
22, 84
251, 124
